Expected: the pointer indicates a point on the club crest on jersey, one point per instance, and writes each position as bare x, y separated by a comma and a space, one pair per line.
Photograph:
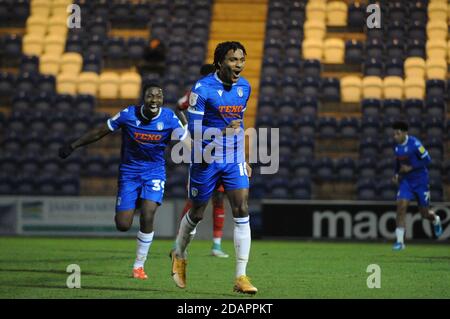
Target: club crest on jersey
240, 92
160, 126
194, 192
193, 99
220, 92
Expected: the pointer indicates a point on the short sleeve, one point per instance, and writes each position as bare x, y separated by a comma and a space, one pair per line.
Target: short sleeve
118, 120
197, 99
420, 149
178, 129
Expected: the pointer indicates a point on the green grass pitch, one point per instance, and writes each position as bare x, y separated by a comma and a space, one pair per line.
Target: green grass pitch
36, 268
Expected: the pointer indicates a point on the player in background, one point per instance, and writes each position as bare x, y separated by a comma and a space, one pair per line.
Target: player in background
146, 131
218, 195
411, 176
218, 101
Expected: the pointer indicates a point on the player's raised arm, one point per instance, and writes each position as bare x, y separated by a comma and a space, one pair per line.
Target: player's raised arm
89, 137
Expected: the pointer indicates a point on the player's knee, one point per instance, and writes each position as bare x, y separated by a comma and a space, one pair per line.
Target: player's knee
240, 210
123, 227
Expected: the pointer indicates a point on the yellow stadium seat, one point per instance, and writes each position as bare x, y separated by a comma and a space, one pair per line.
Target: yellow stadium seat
312, 49
49, 64
71, 62
372, 87
314, 29
436, 49
37, 25
393, 87
59, 7
437, 11
54, 44
351, 89
67, 83
414, 88
130, 85
109, 85
415, 67
437, 29
334, 51
88, 83
337, 14
58, 25
448, 51
316, 10
32, 44
40, 8
436, 69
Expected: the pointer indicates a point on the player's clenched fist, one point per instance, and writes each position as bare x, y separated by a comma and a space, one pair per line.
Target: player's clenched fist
65, 151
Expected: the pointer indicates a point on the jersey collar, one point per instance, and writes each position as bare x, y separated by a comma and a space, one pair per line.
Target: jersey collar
145, 117
406, 141
218, 79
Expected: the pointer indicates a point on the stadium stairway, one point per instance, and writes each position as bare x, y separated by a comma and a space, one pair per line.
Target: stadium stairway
246, 24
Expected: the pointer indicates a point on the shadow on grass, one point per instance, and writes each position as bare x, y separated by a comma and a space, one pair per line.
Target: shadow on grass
185, 294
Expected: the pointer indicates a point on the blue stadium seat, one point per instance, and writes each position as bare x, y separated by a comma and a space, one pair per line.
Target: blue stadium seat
25, 185
387, 147
309, 105
112, 166
291, 67
64, 103
275, 28
115, 48
73, 164
397, 10
306, 125
394, 67
415, 125
159, 27
413, 107
293, 44
396, 29
418, 11
392, 107
141, 14
367, 167
21, 102
435, 148
436, 190
26, 82
92, 63
13, 45
435, 88
356, 17
435, 169
304, 146
12, 141
310, 86
327, 127
417, 30
370, 126
435, 107
395, 48
297, 11
51, 164
373, 67
289, 87
369, 147
96, 44
311, 68
68, 185
271, 67
74, 43
29, 64
354, 51
273, 47
300, 188
101, 8
345, 169
370, 107
268, 86
94, 166
276, 10
4, 13
374, 48
349, 127
46, 83
20, 12
7, 83
331, 89
387, 130
302, 166
415, 48
263, 120
366, 189
324, 169
387, 191
44, 102
120, 13
435, 127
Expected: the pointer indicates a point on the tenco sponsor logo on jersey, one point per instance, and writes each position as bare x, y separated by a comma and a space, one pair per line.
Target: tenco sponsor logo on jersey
240, 92
160, 126
231, 111
145, 138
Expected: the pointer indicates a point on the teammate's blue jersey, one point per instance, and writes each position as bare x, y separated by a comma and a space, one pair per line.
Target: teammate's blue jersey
216, 106
143, 140
412, 153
